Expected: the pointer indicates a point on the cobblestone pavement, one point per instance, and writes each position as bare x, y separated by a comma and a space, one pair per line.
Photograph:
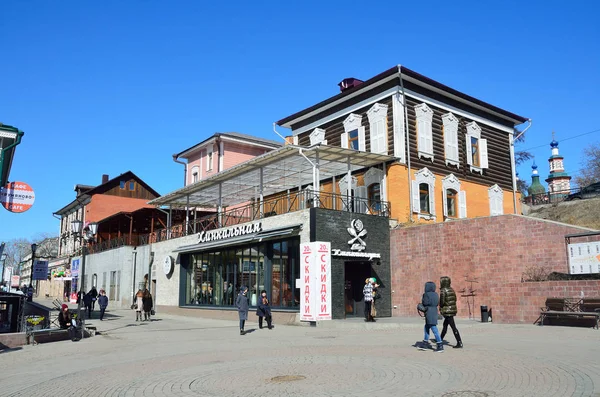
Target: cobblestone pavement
184, 356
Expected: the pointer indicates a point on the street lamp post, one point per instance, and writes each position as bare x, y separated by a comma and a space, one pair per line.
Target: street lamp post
30, 288
84, 238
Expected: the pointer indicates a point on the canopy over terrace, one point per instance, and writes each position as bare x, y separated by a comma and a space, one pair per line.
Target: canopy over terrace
289, 167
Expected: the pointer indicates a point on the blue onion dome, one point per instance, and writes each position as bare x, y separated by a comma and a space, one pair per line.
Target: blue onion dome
554, 144
534, 166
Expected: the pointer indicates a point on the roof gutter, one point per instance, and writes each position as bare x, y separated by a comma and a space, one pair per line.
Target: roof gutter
175, 157
513, 164
5, 150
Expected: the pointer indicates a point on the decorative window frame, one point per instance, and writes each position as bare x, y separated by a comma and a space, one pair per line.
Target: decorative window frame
317, 137
209, 158
343, 186
474, 130
452, 182
195, 171
399, 131
450, 130
424, 129
351, 123
496, 199
423, 176
378, 128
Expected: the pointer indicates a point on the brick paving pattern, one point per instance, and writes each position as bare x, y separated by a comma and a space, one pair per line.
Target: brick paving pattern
185, 356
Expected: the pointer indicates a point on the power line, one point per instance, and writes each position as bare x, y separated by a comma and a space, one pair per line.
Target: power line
562, 140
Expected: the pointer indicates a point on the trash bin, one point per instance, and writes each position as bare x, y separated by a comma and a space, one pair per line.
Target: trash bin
484, 314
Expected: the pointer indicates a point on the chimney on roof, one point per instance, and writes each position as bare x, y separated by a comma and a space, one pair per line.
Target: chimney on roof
104, 178
349, 83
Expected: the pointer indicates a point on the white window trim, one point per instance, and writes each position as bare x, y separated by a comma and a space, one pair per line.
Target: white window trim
425, 132
450, 123
496, 199
351, 123
195, 170
424, 176
317, 137
209, 158
452, 182
376, 114
399, 132
474, 130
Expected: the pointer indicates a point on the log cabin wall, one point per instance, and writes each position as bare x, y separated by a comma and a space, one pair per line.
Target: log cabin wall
138, 191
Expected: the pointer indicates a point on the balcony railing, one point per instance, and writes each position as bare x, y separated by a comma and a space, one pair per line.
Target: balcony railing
275, 205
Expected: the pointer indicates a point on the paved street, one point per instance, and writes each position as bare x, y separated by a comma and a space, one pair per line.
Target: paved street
183, 356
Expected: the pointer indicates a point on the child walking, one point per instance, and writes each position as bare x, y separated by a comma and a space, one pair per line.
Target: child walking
242, 303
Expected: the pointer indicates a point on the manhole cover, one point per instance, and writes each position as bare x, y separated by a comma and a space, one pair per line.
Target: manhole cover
466, 393
287, 378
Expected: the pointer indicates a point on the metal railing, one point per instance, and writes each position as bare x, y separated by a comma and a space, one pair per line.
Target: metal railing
551, 197
274, 205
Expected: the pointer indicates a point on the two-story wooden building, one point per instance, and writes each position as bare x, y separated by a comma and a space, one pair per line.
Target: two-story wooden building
397, 148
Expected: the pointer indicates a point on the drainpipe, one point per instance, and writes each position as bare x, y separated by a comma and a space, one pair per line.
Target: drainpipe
134, 261
175, 157
407, 141
275, 131
513, 165
4, 150
168, 221
311, 163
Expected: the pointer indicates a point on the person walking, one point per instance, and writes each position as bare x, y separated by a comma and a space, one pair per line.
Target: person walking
103, 303
242, 303
94, 294
139, 305
376, 297
87, 303
431, 300
368, 298
148, 304
448, 309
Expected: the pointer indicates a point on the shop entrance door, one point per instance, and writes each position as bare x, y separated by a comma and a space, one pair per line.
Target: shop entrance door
355, 274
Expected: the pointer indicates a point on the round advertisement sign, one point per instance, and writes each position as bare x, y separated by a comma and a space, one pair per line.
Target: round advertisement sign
17, 197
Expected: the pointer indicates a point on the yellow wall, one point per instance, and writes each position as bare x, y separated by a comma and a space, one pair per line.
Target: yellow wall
477, 196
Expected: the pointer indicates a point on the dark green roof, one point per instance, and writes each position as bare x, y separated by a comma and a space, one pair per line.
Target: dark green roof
555, 156
536, 187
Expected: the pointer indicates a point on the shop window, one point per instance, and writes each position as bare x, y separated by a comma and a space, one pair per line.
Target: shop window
477, 154
354, 133
423, 188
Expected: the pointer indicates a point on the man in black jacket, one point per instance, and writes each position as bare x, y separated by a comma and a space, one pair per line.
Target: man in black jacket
448, 309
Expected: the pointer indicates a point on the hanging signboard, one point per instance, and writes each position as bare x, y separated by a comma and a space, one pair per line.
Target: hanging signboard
40, 270
75, 268
315, 281
17, 197
14, 281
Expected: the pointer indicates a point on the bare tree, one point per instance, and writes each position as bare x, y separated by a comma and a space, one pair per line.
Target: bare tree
590, 171
16, 250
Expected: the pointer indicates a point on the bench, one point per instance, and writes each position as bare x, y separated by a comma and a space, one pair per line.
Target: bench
571, 308
47, 335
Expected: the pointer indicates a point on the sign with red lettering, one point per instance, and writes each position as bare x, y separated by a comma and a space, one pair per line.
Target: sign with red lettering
307, 283
315, 281
323, 264
17, 196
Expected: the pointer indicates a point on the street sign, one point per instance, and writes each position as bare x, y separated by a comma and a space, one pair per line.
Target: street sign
14, 281
40, 270
17, 197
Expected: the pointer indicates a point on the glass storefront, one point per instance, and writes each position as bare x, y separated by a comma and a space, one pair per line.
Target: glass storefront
214, 278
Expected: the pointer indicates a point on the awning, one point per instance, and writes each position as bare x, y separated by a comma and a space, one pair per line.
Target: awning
248, 238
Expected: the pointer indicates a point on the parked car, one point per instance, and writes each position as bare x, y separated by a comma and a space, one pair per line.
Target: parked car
589, 191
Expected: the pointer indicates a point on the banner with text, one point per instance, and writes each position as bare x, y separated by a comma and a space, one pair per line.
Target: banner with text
315, 281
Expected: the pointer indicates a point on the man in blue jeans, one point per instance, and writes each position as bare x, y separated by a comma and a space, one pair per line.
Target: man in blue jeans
103, 302
431, 301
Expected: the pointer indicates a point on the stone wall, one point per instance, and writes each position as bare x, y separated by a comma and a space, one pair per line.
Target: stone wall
494, 251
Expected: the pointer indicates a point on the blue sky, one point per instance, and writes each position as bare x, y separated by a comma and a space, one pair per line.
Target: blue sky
107, 87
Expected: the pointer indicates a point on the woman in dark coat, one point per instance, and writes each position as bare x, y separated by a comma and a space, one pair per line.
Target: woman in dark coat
242, 303
263, 309
448, 309
87, 302
431, 300
147, 304
65, 320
